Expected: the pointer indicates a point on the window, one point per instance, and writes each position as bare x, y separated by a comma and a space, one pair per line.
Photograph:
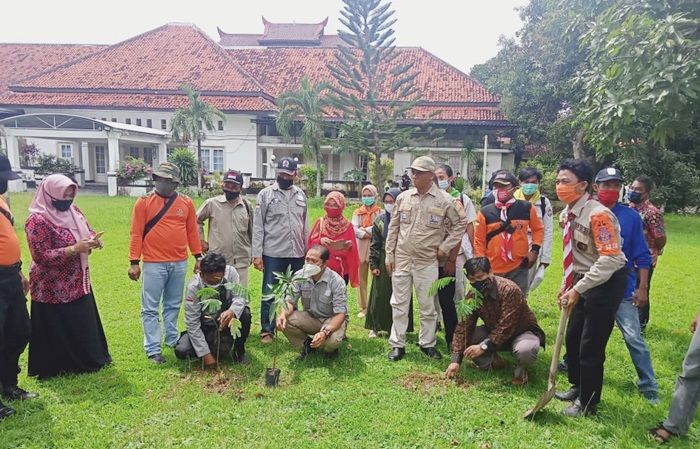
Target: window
114, 120
163, 124
67, 151
100, 161
148, 155
138, 122
218, 161
149, 123
206, 161
220, 125
134, 152
128, 121
104, 119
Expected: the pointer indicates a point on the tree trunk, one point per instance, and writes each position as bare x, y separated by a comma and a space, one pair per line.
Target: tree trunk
319, 178
199, 163
577, 144
378, 175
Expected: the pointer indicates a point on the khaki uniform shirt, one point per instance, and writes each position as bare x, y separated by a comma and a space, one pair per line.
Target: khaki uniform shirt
280, 224
597, 243
322, 299
420, 225
230, 229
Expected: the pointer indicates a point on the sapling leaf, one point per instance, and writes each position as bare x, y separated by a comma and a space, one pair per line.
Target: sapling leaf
210, 305
235, 326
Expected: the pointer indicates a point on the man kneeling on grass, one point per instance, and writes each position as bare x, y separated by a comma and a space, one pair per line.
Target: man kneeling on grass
323, 321
208, 334
509, 325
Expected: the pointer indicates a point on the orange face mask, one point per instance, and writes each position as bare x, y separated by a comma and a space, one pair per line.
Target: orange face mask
567, 193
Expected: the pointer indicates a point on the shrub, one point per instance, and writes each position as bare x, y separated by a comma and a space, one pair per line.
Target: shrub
48, 164
132, 169
185, 160
308, 175
28, 154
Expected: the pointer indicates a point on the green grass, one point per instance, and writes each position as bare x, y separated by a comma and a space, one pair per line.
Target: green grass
358, 400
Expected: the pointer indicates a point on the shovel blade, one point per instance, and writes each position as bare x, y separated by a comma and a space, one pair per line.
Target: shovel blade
544, 400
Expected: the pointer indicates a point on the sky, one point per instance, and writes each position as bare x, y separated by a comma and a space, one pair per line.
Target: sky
461, 32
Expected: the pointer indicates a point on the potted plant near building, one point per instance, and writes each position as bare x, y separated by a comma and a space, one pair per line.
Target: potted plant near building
49, 164
278, 295
133, 176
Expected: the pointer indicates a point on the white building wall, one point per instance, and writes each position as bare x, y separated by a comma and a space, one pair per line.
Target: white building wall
238, 137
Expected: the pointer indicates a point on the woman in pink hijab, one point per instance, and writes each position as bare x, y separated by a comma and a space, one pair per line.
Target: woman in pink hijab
67, 335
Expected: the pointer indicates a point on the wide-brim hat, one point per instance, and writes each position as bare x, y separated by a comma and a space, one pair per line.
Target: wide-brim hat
168, 171
423, 163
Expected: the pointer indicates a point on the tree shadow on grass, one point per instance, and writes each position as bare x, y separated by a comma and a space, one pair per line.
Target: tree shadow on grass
108, 385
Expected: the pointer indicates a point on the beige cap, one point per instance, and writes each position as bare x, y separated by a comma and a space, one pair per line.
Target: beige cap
423, 163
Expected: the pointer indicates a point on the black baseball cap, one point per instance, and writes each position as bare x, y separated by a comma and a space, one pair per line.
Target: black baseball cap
609, 174
505, 177
6, 173
234, 176
287, 165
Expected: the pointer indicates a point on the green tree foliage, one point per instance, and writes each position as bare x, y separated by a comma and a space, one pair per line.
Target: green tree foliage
187, 163
306, 105
643, 76
187, 123
367, 72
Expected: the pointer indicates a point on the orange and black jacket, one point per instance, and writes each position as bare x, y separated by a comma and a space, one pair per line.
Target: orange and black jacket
487, 236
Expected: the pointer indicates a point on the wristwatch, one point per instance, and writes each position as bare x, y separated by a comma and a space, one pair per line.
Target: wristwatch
484, 347
327, 332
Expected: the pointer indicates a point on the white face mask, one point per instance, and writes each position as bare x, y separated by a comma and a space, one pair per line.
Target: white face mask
310, 270
389, 208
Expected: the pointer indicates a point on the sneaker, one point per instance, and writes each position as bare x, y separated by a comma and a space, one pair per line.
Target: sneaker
652, 397
158, 359
372, 334
576, 410
563, 366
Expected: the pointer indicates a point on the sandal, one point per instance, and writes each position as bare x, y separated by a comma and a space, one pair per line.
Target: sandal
659, 437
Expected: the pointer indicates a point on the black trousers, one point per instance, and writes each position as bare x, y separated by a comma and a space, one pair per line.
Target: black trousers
14, 326
587, 334
184, 349
644, 311
446, 296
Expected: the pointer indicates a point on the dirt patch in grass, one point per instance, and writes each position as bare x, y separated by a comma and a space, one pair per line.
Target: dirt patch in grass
430, 384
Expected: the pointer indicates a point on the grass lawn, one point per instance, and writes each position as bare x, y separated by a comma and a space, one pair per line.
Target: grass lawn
357, 400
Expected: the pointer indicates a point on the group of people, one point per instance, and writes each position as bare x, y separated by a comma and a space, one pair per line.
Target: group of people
407, 241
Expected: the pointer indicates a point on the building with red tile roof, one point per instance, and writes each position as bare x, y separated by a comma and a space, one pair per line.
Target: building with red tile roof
137, 82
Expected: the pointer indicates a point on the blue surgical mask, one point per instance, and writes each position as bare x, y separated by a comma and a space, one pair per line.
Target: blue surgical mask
368, 200
443, 184
529, 188
634, 197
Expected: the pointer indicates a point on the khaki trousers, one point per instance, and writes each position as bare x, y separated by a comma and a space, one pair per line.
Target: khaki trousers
403, 283
362, 297
243, 276
524, 347
302, 325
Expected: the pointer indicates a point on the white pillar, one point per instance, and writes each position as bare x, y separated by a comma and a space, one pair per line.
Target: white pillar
13, 155
162, 153
13, 151
85, 161
113, 150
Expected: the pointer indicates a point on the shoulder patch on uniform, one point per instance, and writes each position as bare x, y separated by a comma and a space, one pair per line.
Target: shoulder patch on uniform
604, 234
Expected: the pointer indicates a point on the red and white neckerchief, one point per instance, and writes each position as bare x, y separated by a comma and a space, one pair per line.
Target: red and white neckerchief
569, 251
506, 237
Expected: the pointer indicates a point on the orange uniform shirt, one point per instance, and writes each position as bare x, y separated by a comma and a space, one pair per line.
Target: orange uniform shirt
9, 243
523, 216
170, 237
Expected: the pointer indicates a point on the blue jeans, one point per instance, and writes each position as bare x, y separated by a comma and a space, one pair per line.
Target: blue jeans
164, 280
272, 264
627, 318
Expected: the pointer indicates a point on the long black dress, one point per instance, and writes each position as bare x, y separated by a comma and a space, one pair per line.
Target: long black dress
379, 309
67, 338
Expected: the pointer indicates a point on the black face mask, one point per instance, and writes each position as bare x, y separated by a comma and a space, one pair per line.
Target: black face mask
3, 186
62, 205
284, 184
230, 196
482, 286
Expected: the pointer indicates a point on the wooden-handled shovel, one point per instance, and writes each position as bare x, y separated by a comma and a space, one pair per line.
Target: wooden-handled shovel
552, 382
